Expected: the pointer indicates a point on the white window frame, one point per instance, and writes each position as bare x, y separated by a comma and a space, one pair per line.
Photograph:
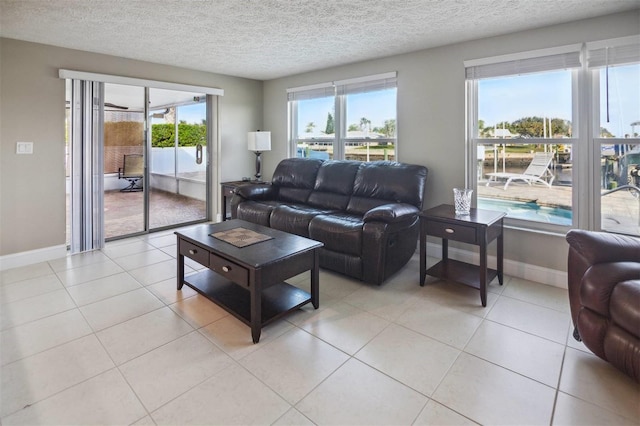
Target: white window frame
516, 64
600, 54
340, 89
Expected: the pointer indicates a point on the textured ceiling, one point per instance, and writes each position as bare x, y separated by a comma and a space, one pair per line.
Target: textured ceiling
266, 39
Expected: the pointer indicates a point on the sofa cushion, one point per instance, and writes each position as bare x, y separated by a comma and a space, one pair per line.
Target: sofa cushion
295, 218
339, 232
334, 184
337, 176
296, 178
293, 195
383, 182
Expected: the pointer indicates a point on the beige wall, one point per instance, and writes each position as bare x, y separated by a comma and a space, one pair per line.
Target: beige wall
32, 187
431, 116
431, 112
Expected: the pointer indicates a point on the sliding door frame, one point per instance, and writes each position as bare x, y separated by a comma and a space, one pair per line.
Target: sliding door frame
90, 237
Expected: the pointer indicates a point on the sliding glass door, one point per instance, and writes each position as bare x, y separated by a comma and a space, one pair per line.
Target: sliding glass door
178, 158
146, 160
124, 159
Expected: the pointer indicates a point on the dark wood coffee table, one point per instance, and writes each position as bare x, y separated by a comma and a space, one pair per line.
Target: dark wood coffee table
248, 282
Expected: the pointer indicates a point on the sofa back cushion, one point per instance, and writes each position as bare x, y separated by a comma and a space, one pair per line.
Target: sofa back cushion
334, 184
383, 182
295, 178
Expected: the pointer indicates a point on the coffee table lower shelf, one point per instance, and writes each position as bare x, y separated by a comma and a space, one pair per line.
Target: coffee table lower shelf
277, 300
460, 272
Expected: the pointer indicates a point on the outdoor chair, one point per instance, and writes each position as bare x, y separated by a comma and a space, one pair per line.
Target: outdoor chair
132, 170
537, 171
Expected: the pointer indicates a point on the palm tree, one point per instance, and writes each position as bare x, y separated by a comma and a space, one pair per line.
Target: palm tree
389, 129
365, 124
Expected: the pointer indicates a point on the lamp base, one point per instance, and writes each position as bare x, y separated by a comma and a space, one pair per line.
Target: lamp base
258, 166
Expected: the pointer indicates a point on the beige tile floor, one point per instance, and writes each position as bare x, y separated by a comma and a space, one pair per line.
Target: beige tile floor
104, 338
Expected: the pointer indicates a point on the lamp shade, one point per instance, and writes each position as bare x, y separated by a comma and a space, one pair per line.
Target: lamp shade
259, 141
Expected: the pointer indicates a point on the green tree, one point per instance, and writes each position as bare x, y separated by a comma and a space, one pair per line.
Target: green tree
353, 128
604, 133
560, 127
535, 127
528, 126
163, 135
484, 131
330, 128
365, 124
389, 128
310, 126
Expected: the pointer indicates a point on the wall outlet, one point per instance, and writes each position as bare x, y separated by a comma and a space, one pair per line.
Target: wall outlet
24, 147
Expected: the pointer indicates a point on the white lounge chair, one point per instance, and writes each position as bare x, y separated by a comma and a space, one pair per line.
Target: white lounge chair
537, 171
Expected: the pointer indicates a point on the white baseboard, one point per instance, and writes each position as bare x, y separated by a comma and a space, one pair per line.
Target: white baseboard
512, 268
32, 257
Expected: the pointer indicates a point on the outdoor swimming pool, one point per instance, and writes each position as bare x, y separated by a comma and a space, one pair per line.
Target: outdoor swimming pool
528, 211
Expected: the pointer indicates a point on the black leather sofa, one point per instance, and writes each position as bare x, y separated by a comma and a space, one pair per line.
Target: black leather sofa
366, 214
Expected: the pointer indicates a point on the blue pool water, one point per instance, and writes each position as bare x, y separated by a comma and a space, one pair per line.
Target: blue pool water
528, 211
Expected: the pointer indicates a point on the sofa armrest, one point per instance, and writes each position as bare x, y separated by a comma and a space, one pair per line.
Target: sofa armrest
256, 192
601, 247
391, 213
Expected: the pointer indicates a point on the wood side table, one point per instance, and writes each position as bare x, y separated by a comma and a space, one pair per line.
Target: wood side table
480, 228
226, 193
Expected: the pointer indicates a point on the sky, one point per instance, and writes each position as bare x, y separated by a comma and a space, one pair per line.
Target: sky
504, 99
624, 99
375, 106
510, 98
192, 114
549, 95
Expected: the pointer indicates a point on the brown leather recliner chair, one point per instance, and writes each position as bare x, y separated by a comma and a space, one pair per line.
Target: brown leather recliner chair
604, 294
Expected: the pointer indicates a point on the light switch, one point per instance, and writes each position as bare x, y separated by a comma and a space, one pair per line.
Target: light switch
24, 147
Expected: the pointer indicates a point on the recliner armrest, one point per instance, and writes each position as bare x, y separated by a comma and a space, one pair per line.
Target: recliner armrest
256, 192
600, 280
391, 213
601, 247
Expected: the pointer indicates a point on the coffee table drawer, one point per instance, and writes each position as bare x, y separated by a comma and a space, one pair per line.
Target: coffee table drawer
194, 252
465, 234
229, 270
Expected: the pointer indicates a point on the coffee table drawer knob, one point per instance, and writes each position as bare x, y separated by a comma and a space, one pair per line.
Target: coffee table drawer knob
226, 268
449, 231
192, 251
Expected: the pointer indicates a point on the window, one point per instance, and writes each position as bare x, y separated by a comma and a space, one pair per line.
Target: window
614, 68
523, 135
523, 106
350, 119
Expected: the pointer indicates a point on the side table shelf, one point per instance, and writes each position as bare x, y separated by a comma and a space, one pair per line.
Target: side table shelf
460, 272
479, 228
